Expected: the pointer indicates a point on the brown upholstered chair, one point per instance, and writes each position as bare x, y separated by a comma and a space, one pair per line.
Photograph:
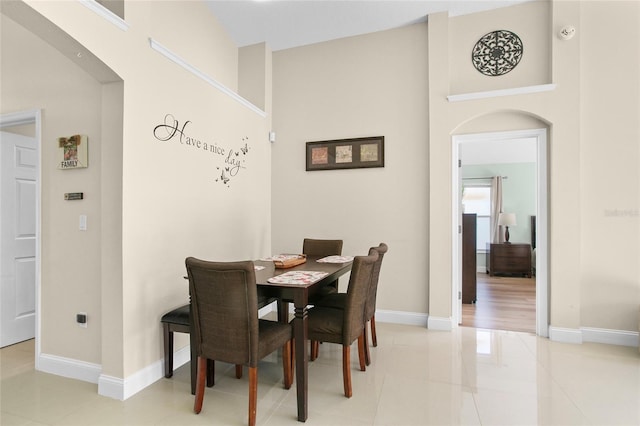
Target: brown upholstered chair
343, 326
314, 247
337, 300
226, 327
177, 321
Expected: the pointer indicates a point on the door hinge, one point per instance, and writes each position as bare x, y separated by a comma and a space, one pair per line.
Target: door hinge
459, 162
459, 295
459, 229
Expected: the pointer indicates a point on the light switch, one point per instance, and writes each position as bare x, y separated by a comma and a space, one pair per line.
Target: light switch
83, 222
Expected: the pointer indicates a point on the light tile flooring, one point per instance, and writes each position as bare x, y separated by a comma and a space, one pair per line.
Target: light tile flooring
417, 377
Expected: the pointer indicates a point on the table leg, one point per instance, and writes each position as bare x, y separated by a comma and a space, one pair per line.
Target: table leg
302, 357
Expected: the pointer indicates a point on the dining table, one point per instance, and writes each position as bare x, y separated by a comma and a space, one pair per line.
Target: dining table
298, 293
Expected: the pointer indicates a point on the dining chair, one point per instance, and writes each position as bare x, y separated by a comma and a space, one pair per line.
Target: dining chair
315, 247
178, 321
337, 301
226, 326
344, 326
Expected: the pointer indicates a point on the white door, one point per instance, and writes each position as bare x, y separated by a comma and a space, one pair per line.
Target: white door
18, 162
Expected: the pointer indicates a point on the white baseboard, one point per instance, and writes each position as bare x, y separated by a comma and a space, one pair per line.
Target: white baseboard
565, 335
132, 384
121, 389
440, 323
414, 318
610, 337
594, 335
71, 368
397, 317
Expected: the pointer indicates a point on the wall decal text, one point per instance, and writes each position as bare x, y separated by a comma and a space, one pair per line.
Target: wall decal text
232, 160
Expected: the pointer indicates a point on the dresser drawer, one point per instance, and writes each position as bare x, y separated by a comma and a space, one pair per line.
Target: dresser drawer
510, 250
509, 259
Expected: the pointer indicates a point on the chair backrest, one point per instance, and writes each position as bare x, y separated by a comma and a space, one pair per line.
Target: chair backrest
357, 292
224, 306
373, 288
313, 247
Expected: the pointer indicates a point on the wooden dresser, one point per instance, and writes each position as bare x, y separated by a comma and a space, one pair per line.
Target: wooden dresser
509, 258
469, 257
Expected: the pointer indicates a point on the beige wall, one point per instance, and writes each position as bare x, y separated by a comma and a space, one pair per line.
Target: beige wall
534, 32
150, 203
34, 75
610, 176
362, 86
338, 89
178, 28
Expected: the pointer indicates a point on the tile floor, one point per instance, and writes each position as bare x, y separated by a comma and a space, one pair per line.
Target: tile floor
417, 377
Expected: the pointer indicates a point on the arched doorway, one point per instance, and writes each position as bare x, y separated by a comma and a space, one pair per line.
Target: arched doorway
541, 214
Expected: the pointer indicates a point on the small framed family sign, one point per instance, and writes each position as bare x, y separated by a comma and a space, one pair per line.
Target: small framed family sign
346, 153
73, 152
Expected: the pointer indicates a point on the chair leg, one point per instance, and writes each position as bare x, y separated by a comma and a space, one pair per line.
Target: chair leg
367, 354
253, 394
168, 350
292, 364
194, 363
211, 372
286, 365
374, 338
314, 350
238, 371
346, 370
361, 352
202, 372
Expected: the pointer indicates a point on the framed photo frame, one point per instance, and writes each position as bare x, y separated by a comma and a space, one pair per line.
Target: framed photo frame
355, 153
73, 152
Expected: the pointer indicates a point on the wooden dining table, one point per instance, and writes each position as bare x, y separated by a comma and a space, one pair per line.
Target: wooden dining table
299, 295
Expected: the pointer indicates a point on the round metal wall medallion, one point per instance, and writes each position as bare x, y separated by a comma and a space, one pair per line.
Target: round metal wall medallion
497, 53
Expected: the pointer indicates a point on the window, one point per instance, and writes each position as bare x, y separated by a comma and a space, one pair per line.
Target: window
477, 199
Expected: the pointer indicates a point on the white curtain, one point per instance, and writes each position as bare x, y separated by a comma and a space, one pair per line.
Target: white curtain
496, 208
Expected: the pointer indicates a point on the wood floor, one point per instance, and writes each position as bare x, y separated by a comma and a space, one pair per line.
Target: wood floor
503, 303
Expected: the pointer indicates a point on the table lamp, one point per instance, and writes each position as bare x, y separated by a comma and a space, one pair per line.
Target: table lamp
507, 220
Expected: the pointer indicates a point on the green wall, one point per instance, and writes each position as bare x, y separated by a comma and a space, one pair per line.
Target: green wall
518, 195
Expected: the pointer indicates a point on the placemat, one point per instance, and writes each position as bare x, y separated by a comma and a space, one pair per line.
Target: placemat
298, 277
336, 259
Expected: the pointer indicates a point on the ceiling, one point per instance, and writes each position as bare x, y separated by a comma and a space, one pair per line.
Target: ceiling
284, 24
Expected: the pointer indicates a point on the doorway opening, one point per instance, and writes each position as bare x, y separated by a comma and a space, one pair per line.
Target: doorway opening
503, 297
22, 275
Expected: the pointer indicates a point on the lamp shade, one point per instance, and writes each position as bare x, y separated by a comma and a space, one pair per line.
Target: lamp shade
507, 219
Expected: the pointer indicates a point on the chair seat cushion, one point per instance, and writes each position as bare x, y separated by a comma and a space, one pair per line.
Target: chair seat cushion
177, 316
325, 324
273, 335
335, 301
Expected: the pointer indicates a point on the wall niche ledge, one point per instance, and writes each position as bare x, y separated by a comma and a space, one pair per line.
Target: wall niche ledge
503, 92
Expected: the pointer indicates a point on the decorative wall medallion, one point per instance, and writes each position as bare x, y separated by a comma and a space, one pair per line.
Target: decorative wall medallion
497, 53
